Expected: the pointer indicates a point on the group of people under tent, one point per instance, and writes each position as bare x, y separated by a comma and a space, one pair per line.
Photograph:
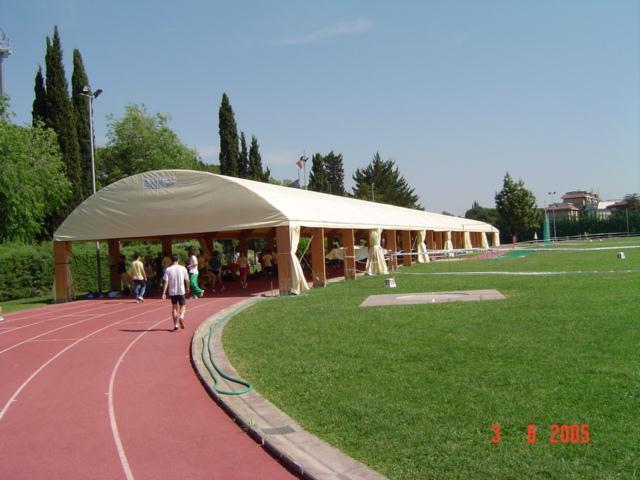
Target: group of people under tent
144, 275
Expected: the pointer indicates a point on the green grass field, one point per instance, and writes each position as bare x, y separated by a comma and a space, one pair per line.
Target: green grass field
413, 391
25, 303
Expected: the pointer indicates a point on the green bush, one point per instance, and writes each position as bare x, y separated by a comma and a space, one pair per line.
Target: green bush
27, 270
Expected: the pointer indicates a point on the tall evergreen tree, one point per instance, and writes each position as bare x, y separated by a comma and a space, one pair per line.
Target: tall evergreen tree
255, 163
381, 181
517, 208
243, 158
335, 173
39, 111
79, 80
228, 138
61, 118
318, 181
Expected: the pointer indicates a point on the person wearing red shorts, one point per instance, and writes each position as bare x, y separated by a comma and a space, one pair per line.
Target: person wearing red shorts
176, 281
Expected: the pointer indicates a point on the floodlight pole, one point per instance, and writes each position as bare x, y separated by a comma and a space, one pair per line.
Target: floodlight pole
5, 51
553, 215
86, 91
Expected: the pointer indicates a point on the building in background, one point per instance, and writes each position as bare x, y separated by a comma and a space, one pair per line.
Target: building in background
580, 198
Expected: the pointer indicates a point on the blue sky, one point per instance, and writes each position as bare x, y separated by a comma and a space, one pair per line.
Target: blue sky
456, 92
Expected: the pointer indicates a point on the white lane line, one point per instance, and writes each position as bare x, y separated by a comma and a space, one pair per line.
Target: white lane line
49, 310
86, 319
112, 410
44, 365
72, 308
9, 330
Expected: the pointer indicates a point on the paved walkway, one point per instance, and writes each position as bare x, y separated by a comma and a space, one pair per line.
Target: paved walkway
102, 389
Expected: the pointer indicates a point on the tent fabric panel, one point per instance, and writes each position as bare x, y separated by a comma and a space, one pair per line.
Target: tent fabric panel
182, 202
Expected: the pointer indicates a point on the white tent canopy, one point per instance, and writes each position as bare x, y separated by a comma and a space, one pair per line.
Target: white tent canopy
177, 202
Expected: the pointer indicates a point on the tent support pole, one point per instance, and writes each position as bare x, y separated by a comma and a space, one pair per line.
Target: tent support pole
317, 258
348, 243
406, 248
62, 256
284, 260
114, 259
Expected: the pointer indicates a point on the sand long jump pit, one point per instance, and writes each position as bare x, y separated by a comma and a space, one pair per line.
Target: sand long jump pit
431, 297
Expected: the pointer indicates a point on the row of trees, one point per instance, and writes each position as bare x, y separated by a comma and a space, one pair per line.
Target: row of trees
380, 181
235, 159
68, 117
46, 168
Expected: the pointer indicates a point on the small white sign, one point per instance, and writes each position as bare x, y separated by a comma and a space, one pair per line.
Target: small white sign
159, 183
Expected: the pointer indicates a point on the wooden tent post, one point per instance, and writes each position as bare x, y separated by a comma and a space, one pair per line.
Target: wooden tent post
284, 260
348, 243
114, 260
392, 247
166, 246
406, 248
63, 286
318, 258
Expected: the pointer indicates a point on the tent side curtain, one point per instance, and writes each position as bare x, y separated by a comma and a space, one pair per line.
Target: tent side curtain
423, 256
298, 282
485, 243
448, 244
466, 240
376, 263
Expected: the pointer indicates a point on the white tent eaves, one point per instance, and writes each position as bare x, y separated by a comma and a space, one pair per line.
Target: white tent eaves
178, 202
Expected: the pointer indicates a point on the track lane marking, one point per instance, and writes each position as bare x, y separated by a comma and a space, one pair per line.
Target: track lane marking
90, 317
44, 365
112, 411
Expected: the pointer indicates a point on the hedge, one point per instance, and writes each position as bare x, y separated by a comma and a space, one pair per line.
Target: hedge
27, 270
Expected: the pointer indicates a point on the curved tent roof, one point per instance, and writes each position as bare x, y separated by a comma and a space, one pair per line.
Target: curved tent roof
174, 202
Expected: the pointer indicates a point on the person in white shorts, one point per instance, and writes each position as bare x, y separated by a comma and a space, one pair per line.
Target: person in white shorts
176, 281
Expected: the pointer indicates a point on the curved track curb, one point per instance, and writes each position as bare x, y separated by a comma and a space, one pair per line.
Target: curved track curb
304, 454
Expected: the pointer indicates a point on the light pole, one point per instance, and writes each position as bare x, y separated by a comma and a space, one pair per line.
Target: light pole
5, 51
553, 214
373, 192
86, 92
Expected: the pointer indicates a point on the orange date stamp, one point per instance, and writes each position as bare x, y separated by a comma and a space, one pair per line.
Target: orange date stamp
577, 433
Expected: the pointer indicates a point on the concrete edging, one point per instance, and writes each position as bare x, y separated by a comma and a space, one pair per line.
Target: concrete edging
303, 453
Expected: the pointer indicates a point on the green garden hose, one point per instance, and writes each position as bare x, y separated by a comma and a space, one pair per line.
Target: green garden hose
209, 362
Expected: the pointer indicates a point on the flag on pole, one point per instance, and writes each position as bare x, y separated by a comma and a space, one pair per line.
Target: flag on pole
300, 163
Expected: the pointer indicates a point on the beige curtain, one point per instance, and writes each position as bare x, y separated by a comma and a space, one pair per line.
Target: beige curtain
423, 256
466, 236
376, 263
298, 282
485, 242
496, 239
448, 244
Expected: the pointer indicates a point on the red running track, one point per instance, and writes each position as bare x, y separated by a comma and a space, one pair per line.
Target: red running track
103, 389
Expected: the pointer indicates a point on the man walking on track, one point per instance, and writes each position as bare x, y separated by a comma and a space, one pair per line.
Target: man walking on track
139, 277
176, 281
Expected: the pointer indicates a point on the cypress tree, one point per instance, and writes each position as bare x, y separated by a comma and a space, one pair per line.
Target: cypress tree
318, 176
61, 118
39, 111
243, 158
228, 138
79, 80
255, 163
335, 173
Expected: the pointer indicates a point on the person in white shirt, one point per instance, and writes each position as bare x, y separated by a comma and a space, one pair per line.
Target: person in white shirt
176, 281
192, 268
